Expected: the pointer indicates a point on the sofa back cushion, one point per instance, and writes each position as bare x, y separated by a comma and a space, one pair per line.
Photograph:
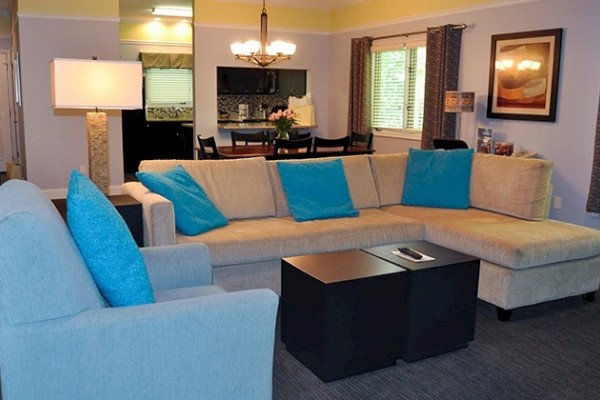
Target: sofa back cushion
360, 181
42, 273
388, 174
239, 188
514, 186
358, 174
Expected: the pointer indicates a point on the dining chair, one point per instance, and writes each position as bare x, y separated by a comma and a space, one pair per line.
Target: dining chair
295, 135
449, 144
283, 147
258, 137
270, 135
363, 140
340, 143
208, 148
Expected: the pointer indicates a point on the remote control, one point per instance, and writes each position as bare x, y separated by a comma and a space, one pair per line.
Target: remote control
410, 253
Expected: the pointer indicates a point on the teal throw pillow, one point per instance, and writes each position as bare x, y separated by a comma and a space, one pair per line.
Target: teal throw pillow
437, 178
105, 242
195, 213
316, 189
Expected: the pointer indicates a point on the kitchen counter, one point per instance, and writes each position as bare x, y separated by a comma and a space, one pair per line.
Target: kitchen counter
255, 125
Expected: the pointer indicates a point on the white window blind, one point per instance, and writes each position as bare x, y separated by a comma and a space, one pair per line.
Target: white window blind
165, 87
398, 86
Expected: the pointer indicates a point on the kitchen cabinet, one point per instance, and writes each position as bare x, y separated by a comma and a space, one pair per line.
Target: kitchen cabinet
292, 82
242, 81
261, 81
144, 140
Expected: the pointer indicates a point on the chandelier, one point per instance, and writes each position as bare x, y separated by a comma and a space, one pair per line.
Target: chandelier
259, 53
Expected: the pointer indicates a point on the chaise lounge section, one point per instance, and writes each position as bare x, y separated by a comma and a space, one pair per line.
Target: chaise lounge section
526, 258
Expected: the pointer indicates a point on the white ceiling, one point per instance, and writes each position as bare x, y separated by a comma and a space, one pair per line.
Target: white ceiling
140, 9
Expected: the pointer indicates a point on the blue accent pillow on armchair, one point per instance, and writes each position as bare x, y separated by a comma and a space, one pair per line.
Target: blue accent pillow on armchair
105, 242
195, 213
438, 178
316, 189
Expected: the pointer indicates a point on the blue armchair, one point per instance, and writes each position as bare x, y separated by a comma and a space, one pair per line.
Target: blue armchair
60, 340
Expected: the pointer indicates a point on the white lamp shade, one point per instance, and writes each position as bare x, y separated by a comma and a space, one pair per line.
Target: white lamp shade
90, 84
237, 48
281, 47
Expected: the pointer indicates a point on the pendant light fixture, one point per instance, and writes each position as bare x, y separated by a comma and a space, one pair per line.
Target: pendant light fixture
259, 53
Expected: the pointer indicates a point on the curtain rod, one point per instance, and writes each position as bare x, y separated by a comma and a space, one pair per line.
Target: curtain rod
459, 26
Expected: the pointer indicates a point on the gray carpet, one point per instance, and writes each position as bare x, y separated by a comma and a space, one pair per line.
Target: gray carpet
547, 351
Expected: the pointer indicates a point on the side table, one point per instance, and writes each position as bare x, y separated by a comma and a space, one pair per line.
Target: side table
441, 299
341, 312
129, 208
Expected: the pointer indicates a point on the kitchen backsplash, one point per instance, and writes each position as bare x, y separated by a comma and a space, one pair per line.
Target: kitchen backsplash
228, 104
169, 113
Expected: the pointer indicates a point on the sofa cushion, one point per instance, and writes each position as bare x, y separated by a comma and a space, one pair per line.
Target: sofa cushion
316, 189
360, 181
511, 185
239, 188
194, 211
437, 178
109, 250
358, 174
504, 240
267, 239
388, 174
42, 273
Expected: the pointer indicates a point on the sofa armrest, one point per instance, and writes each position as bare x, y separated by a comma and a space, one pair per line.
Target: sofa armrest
213, 347
159, 217
176, 266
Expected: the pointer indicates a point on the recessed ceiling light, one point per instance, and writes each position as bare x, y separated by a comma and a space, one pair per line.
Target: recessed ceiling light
173, 11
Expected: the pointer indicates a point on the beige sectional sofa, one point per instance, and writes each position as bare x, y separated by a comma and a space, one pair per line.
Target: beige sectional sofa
525, 258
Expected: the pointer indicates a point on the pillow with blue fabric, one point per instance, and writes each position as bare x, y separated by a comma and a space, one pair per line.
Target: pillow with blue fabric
105, 242
438, 178
316, 189
195, 213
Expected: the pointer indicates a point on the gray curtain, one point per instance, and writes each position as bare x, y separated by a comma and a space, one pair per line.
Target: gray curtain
443, 56
360, 67
593, 201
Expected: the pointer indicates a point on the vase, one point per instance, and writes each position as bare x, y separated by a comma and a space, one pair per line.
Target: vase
283, 134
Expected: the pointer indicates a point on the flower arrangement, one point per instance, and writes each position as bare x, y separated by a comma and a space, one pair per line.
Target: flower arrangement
283, 120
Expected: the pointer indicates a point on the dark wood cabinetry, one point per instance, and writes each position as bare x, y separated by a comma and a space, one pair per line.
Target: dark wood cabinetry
246, 81
144, 140
292, 82
249, 81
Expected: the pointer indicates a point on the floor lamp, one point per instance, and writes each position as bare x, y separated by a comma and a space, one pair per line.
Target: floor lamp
94, 84
459, 102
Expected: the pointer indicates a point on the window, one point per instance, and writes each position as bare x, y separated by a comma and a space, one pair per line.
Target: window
167, 86
398, 87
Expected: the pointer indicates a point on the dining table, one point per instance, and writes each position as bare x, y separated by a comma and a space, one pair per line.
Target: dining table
268, 151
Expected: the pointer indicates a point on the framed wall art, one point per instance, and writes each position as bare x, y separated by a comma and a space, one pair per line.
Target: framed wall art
524, 71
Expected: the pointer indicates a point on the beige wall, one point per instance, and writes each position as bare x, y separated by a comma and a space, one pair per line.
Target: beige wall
211, 49
56, 143
568, 142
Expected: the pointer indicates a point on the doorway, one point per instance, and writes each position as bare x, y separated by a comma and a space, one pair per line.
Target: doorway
6, 113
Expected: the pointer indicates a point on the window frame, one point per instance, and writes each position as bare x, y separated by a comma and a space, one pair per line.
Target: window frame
391, 44
187, 101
